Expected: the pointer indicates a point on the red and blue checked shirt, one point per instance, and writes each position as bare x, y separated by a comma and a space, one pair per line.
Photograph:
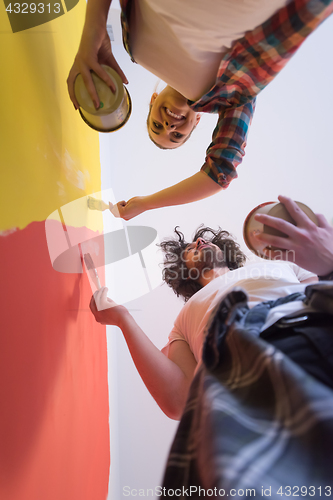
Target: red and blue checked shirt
251, 63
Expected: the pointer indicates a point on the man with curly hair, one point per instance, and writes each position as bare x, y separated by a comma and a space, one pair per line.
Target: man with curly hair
214, 251
204, 272
248, 365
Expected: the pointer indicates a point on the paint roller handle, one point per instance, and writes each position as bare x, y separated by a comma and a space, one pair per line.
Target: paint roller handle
94, 50
309, 246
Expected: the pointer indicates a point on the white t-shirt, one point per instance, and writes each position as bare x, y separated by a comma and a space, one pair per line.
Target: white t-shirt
261, 281
183, 42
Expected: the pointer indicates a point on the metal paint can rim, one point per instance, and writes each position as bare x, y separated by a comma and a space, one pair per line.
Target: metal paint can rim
113, 129
118, 105
250, 224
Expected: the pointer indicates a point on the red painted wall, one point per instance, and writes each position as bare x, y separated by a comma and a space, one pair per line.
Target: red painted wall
54, 432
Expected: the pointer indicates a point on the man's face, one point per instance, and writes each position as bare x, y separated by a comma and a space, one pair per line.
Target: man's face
202, 255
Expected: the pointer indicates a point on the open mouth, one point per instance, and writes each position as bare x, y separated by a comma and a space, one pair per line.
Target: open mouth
174, 115
203, 245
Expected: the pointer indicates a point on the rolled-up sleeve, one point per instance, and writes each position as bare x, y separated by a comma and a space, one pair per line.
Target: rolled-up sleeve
227, 148
175, 334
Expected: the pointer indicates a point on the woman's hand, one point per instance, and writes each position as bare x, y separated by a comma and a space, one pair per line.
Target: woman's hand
105, 310
309, 246
95, 49
194, 188
128, 209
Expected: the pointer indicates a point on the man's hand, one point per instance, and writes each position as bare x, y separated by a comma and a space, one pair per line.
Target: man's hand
129, 209
105, 310
309, 246
95, 49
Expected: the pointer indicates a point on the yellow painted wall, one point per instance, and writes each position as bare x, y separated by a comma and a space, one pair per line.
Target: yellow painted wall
48, 154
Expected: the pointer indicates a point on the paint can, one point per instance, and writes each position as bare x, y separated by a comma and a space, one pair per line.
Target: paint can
274, 209
115, 108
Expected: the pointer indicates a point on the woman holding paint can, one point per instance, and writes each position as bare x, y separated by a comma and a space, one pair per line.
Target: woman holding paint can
215, 58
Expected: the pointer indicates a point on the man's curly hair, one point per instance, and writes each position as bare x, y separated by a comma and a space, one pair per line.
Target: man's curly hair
175, 272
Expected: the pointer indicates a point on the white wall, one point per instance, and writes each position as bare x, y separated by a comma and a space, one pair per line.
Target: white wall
289, 152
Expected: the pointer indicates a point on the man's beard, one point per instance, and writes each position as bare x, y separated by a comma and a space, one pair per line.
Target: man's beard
210, 258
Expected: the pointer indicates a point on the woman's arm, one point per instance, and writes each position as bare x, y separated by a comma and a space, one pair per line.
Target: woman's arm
227, 149
166, 378
94, 50
194, 188
223, 156
96, 13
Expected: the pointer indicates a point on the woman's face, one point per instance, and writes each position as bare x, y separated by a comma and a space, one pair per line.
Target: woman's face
171, 119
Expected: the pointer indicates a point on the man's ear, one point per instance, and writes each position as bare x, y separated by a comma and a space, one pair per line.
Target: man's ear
153, 98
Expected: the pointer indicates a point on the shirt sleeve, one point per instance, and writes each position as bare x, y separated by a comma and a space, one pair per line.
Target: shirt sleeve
226, 150
301, 274
175, 334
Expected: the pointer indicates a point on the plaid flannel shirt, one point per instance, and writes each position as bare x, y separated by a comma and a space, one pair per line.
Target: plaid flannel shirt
245, 70
254, 421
